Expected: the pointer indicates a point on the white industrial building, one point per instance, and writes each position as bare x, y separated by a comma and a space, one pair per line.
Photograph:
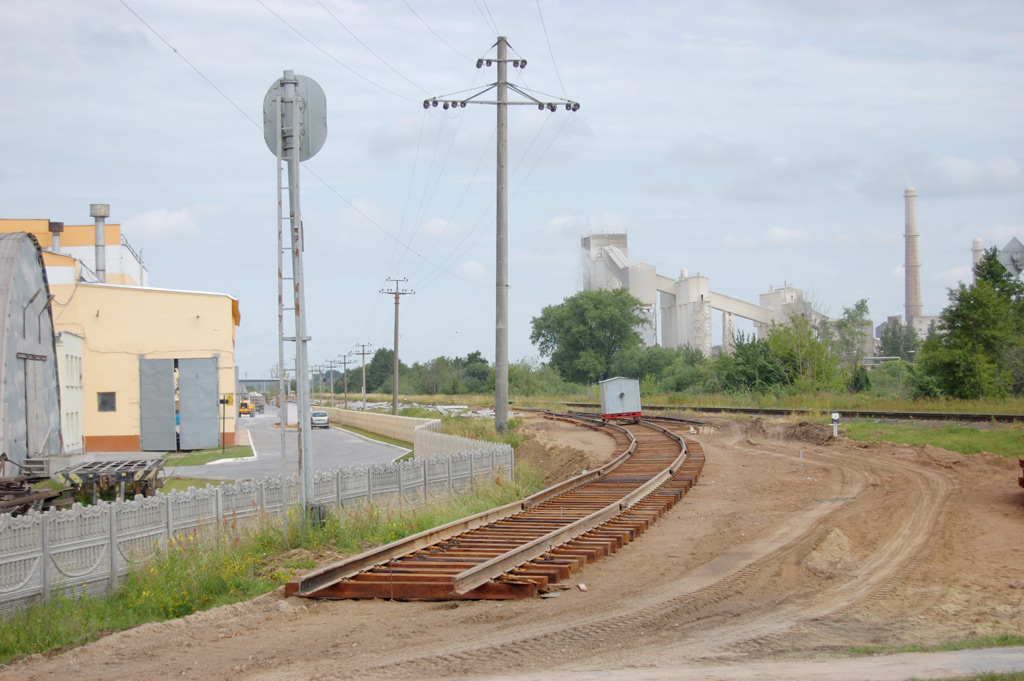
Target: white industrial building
686, 304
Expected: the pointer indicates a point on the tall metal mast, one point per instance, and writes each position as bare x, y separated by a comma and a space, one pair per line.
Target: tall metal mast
294, 128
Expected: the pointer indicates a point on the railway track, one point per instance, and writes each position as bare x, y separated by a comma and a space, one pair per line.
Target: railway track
523, 549
846, 413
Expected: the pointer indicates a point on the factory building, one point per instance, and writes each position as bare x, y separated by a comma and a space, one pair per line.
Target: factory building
687, 303
143, 369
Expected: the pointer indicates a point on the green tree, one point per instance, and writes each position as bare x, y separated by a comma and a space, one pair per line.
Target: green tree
979, 350
898, 340
584, 332
638, 362
852, 331
379, 371
751, 367
803, 355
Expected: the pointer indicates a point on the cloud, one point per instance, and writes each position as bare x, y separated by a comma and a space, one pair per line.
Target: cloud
439, 228
164, 225
952, 276
567, 229
774, 237
365, 224
709, 150
475, 272
781, 236
962, 176
1003, 232
951, 176
782, 179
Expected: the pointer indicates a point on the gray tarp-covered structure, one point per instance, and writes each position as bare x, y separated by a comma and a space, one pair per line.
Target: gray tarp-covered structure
29, 392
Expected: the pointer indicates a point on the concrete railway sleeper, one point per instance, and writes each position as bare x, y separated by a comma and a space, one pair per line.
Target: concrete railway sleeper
523, 549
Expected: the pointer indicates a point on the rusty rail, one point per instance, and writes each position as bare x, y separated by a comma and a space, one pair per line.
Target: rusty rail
519, 549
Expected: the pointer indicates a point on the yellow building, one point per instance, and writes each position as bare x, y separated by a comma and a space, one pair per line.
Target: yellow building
156, 363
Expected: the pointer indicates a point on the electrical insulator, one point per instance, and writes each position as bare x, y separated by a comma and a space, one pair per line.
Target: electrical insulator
479, 63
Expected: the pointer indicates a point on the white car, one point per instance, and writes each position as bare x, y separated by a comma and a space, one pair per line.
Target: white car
319, 419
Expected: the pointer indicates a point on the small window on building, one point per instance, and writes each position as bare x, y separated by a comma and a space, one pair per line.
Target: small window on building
107, 401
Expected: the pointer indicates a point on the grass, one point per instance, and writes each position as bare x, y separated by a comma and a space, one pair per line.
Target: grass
181, 484
210, 568
1004, 440
203, 456
989, 676
379, 438
823, 402
482, 429
997, 641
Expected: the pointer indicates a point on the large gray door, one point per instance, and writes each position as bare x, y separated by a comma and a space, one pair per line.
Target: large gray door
198, 403
156, 405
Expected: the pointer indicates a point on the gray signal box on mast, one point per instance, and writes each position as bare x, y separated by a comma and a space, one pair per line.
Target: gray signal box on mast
294, 127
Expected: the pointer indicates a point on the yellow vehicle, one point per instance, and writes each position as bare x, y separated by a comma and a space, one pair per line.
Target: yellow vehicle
245, 408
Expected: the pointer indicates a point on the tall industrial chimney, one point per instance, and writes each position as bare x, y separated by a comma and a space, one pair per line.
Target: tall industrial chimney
976, 252
913, 262
101, 211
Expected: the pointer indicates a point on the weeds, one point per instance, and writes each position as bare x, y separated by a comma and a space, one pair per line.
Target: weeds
998, 641
227, 564
1004, 440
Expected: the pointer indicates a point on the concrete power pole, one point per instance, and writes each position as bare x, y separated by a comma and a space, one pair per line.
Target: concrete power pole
343, 360
502, 87
394, 378
362, 351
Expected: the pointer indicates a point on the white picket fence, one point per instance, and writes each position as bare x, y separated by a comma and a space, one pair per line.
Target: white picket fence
89, 549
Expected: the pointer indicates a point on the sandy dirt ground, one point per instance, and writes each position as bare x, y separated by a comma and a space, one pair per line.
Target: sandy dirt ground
792, 546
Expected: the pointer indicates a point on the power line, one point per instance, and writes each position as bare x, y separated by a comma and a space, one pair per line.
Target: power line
488, 19
550, 51
331, 56
367, 47
191, 65
435, 34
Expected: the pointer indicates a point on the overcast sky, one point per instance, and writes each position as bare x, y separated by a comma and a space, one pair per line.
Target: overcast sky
756, 143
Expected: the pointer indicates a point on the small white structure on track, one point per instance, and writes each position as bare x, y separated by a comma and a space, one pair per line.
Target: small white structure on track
620, 398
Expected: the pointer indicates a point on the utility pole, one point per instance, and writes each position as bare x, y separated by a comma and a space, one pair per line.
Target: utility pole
344, 363
394, 378
330, 365
362, 351
501, 219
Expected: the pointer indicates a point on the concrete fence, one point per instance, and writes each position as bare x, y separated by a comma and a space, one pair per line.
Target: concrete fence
422, 433
395, 427
89, 549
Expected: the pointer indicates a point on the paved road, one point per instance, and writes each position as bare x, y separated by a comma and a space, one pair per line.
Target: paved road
331, 448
